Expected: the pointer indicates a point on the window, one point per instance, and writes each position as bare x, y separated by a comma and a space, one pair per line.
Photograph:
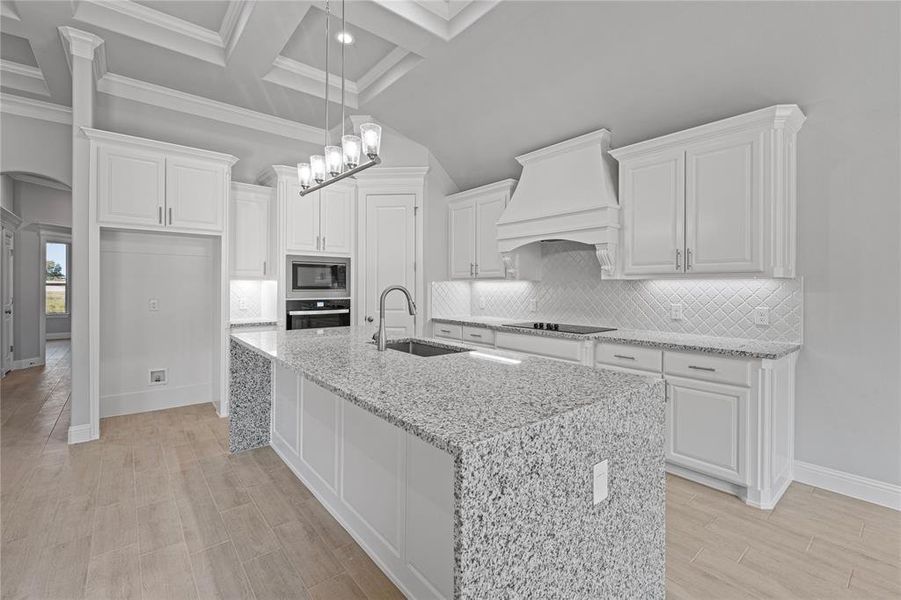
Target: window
56, 283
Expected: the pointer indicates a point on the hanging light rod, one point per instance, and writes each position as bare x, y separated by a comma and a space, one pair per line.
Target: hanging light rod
339, 162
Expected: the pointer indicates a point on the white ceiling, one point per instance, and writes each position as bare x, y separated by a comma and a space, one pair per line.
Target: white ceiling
478, 82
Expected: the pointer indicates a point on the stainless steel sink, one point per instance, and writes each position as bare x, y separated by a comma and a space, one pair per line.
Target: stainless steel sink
418, 348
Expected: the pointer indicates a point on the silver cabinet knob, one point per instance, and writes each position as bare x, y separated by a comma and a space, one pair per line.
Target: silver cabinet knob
369, 319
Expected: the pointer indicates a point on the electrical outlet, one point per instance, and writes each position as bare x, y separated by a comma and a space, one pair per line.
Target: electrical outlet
762, 315
154, 304
482, 302
242, 303
533, 305
675, 311
600, 482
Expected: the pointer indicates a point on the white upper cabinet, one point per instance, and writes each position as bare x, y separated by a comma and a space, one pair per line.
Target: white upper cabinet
654, 215
461, 239
194, 193
252, 232
147, 184
335, 218
716, 199
302, 223
472, 231
131, 185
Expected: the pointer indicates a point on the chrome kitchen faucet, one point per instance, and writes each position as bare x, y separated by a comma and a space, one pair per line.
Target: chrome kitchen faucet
380, 337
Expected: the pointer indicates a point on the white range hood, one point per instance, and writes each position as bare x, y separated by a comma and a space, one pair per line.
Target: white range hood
566, 192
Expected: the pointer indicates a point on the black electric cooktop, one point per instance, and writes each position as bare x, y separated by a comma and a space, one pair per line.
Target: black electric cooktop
562, 327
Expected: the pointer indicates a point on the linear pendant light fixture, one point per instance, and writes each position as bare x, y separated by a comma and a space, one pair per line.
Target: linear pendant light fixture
339, 162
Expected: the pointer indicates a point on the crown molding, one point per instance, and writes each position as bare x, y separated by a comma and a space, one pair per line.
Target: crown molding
601, 136
35, 109
780, 116
120, 86
233, 23
38, 180
384, 73
8, 11
121, 138
502, 185
79, 43
301, 77
440, 23
250, 188
24, 78
10, 219
393, 175
154, 27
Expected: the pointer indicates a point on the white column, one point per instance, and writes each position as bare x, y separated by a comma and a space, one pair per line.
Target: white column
81, 48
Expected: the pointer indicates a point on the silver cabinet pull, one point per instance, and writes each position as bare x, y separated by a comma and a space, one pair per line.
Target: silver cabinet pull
688, 259
339, 311
477, 269
708, 369
472, 269
170, 215
264, 267
678, 254
317, 243
623, 356
475, 335
323, 242
160, 216
442, 330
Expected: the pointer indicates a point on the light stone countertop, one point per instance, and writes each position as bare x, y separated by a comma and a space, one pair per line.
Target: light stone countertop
455, 400
681, 342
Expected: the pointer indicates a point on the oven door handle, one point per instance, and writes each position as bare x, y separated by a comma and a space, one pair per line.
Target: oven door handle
297, 313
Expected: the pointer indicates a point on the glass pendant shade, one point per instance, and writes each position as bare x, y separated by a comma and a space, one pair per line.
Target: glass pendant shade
317, 165
351, 144
304, 175
372, 138
333, 160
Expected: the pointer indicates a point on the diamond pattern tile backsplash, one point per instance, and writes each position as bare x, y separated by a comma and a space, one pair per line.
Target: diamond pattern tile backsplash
572, 291
252, 299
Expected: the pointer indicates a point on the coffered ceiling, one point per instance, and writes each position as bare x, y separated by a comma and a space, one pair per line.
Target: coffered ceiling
265, 58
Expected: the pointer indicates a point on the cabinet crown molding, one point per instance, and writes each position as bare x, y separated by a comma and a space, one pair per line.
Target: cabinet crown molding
780, 116
250, 188
167, 147
506, 185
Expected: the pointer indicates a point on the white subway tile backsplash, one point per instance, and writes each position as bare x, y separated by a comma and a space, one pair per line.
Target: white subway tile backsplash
572, 291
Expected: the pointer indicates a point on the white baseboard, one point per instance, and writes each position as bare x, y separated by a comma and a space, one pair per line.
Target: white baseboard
64, 335
159, 398
847, 484
79, 434
27, 363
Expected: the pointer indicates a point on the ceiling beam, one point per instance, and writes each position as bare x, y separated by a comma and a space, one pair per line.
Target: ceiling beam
127, 88
23, 78
35, 109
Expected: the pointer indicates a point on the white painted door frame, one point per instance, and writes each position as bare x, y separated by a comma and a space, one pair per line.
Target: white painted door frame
8, 267
60, 235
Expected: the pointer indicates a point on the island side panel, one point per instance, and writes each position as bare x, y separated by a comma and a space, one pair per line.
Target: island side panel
250, 399
526, 525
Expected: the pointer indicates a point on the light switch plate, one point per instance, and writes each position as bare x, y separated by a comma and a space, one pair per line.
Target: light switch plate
675, 311
600, 482
242, 303
154, 304
762, 315
482, 302
533, 305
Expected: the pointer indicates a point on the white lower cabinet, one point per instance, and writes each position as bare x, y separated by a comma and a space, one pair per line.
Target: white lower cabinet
706, 425
393, 492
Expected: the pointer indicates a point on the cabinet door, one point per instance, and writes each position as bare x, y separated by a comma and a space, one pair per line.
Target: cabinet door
488, 211
706, 425
461, 218
250, 236
723, 205
653, 200
336, 219
196, 193
131, 186
302, 233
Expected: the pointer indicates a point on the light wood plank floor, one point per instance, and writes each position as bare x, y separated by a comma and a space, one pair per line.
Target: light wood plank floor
157, 509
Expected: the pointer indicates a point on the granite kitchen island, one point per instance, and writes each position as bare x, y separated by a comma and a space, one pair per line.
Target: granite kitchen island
465, 475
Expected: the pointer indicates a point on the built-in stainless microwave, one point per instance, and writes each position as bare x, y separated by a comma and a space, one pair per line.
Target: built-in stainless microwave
318, 277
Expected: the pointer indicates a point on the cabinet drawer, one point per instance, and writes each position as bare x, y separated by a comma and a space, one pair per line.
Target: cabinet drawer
630, 357
478, 335
446, 330
559, 348
709, 368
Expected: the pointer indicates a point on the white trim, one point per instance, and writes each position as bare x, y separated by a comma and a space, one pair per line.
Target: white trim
63, 335
302, 77
8, 11
154, 27
53, 234
9, 219
848, 484
80, 433
156, 397
27, 363
38, 180
167, 147
79, 43
445, 26
120, 86
24, 78
35, 109
236, 16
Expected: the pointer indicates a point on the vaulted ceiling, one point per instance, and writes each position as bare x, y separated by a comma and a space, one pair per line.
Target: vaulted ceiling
477, 82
